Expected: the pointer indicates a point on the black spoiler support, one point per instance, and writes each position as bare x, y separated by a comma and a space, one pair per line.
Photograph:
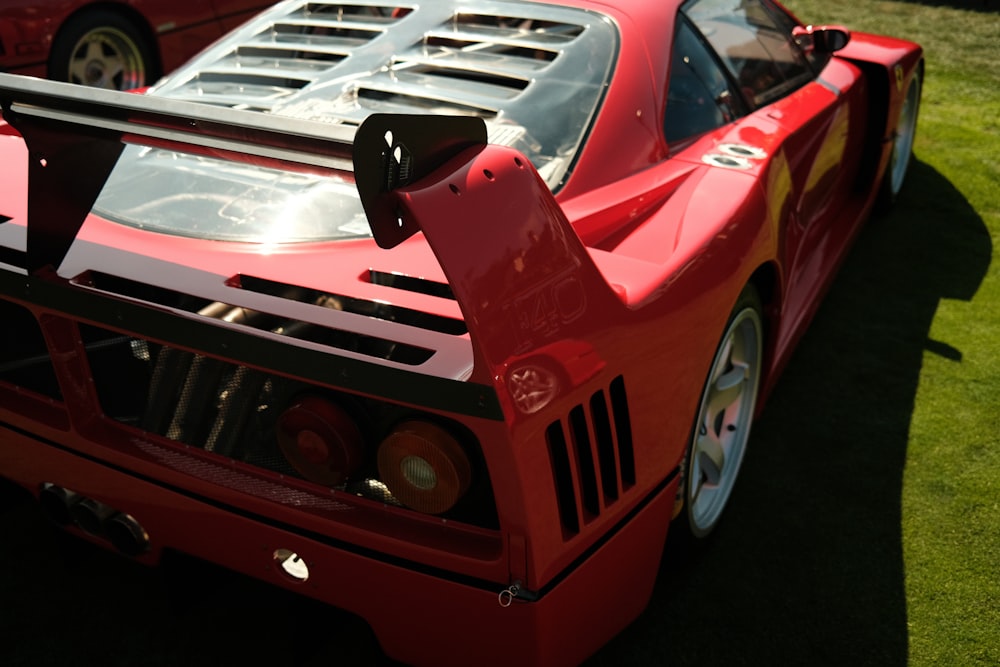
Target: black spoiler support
75, 135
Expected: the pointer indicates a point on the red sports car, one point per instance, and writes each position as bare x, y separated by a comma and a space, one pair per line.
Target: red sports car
443, 312
120, 44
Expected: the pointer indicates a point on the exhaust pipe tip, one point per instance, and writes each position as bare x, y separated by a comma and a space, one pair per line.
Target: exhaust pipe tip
90, 516
67, 507
58, 503
127, 535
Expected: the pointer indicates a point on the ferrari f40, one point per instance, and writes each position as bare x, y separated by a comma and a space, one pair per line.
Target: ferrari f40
443, 312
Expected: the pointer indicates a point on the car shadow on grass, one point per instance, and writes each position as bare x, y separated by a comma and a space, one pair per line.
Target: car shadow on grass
807, 566
805, 569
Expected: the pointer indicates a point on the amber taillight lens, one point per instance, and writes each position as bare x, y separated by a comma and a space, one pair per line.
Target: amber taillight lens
320, 440
424, 467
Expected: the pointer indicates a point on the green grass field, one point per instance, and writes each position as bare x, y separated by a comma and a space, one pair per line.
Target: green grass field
865, 529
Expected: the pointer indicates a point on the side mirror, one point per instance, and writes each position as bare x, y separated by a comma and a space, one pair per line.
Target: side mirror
821, 39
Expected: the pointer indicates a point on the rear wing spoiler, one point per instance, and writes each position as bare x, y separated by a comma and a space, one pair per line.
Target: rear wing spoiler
519, 272
75, 136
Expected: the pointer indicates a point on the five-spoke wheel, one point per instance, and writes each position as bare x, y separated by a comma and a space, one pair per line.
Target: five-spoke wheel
722, 426
104, 50
902, 144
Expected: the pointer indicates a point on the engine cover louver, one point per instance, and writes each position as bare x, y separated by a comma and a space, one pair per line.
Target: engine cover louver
437, 58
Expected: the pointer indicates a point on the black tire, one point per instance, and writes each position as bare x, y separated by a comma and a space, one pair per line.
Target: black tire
902, 145
725, 413
102, 49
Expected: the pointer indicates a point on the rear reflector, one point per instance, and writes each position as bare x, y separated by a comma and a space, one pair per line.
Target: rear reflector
424, 467
320, 440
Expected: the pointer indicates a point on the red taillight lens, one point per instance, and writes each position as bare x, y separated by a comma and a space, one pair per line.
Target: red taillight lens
320, 440
424, 467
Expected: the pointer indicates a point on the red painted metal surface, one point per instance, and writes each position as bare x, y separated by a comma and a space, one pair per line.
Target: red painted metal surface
176, 31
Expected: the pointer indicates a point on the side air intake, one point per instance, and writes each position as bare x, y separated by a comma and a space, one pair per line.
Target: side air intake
592, 456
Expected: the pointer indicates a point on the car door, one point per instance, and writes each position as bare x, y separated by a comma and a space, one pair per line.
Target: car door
755, 42
817, 104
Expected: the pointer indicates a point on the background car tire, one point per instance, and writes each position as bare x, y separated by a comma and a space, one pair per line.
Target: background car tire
902, 145
725, 414
102, 49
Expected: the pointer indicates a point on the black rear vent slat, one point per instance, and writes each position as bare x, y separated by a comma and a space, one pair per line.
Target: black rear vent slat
601, 422
579, 426
268, 51
411, 284
563, 477
532, 56
288, 47
392, 100
623, 430
275, 80
592, 456
347, 12
347, 37
492, 26
365, 307
488, 80
367, 345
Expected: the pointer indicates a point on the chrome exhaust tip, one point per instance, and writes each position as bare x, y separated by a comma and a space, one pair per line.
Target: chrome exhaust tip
90, 516
126, 534
58, 503
67, 507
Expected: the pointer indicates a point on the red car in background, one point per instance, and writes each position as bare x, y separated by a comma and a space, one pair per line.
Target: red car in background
441, 312
121, 44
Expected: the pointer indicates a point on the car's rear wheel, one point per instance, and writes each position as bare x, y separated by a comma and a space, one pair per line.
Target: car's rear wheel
725, 414
102, 49
902, 145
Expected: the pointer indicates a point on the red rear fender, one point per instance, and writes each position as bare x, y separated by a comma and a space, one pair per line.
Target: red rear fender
522, 276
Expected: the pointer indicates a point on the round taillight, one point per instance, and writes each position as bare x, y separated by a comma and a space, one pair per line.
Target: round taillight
320, 440
424, 467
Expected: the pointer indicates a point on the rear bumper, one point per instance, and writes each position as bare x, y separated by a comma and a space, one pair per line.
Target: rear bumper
420, 616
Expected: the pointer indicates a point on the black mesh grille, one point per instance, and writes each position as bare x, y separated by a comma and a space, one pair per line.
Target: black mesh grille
200, 401
229, 412
592, 456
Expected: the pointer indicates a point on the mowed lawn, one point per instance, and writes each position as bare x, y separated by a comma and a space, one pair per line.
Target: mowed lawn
865, 529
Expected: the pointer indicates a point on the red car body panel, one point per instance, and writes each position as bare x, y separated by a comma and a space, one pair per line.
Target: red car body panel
418, 616
178, 30
592, 319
